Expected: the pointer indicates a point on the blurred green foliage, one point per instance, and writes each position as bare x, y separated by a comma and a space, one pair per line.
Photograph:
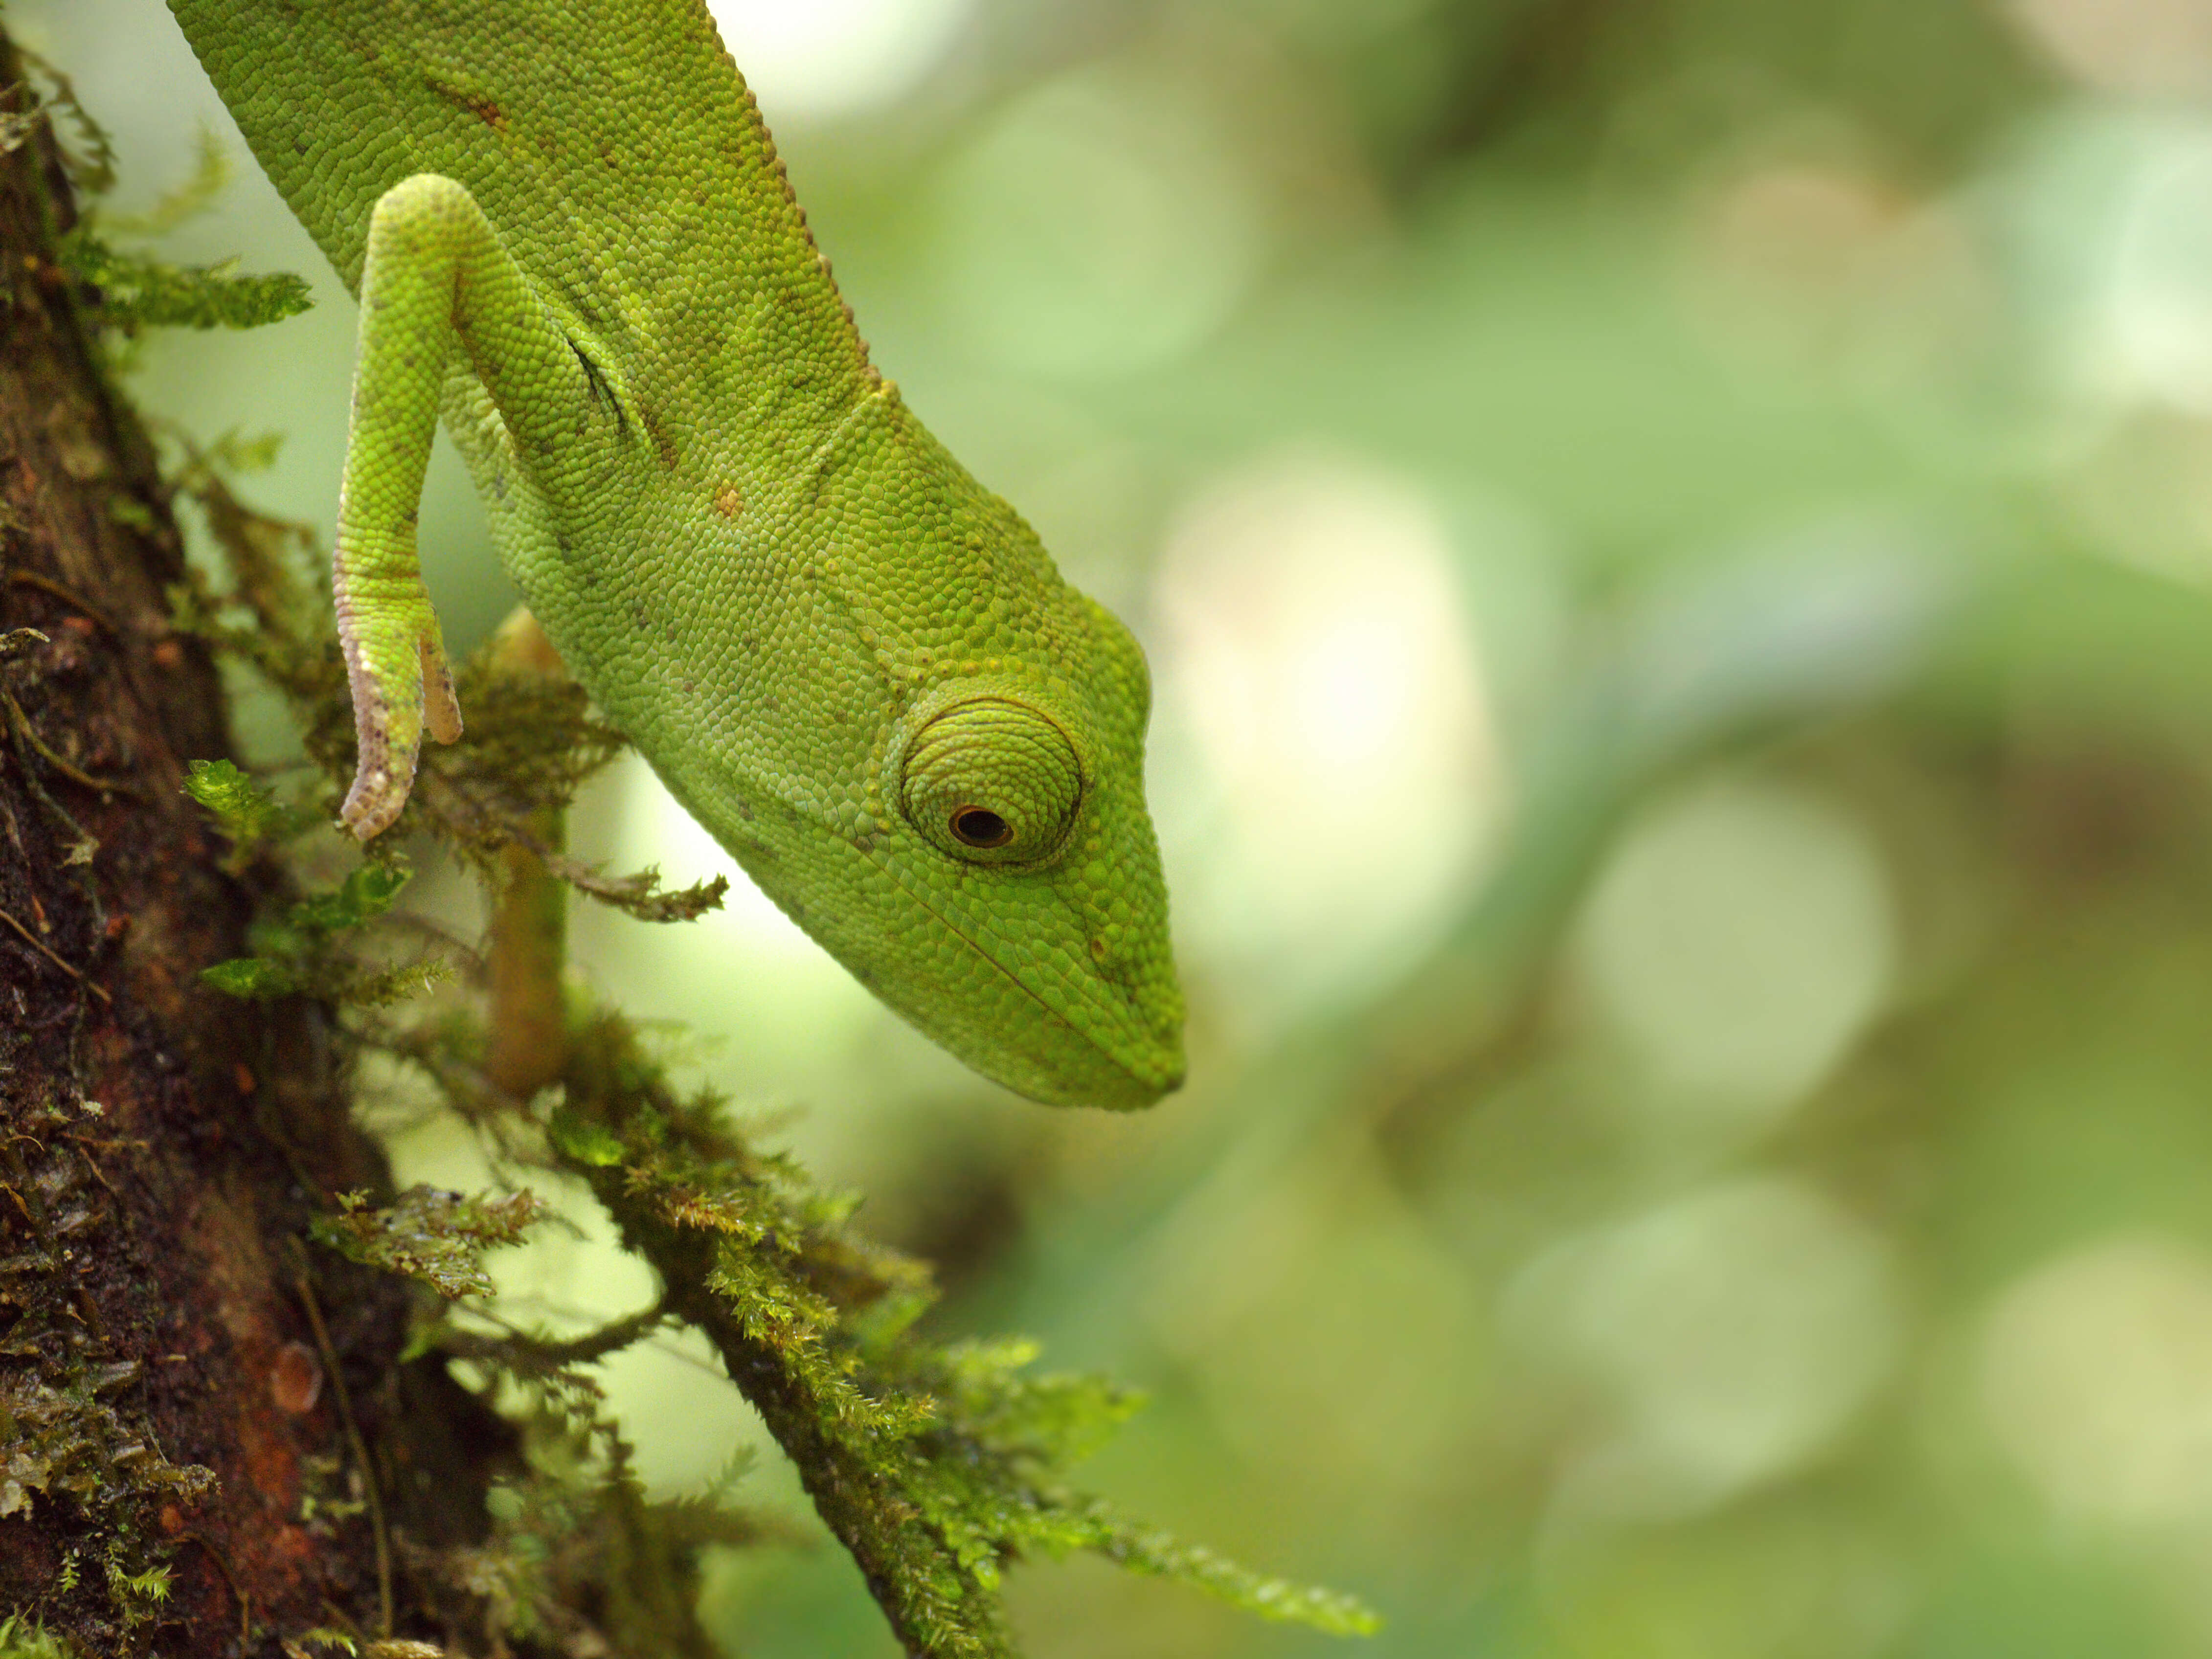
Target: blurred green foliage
1674, 536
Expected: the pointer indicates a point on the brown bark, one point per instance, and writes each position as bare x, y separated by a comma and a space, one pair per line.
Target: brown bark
162, 1146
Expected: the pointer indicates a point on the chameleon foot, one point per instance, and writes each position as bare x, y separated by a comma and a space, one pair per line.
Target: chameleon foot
397, 693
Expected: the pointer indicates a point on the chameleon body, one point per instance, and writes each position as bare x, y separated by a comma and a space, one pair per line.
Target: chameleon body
857, 667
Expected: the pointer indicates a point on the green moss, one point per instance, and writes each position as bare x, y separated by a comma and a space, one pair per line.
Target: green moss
135, 290
77, 1460
576, 1532
139, 1595
243, 811
436, 1238
301, 951
938, 1464
63, 1438
28, 1638
88, 153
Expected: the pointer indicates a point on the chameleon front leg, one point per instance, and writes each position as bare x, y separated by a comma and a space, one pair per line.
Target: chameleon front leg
436, 280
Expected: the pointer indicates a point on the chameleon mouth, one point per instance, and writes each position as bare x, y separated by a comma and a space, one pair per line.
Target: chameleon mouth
1102, 1076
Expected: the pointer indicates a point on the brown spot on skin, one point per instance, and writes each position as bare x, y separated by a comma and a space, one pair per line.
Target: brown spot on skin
728, 502
662, 445
295, 1381
476, 103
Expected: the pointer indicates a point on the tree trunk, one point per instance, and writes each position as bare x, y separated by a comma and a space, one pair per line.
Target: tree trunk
178, 1467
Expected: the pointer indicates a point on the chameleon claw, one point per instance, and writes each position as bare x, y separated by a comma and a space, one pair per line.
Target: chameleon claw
441, 709
384, 773
373, 803
389, 746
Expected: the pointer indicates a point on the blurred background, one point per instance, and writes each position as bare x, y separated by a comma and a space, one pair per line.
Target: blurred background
1674, 537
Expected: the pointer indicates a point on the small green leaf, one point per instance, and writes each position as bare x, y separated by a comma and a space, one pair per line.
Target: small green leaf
130, 514
581, 1141
437, 1238
396, 985
245, 811
365, 895
256, 978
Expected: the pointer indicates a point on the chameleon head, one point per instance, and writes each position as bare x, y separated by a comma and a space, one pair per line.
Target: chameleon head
1038, 861
987, 866
939, 770
1021, 835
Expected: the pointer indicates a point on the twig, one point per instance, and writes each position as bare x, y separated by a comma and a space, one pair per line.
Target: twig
26, 731
31, 940
85, 848
93, 1164
244, 1603
48, 585
577, 1350
359, 1447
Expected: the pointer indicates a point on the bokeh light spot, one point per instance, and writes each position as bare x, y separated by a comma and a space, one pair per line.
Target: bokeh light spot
1320, 660
1096, 227
831, 56
2125, 46
1739, 941
1731, 1336
2096, 1374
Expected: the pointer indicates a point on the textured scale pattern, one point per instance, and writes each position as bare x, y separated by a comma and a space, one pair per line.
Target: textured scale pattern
573, 242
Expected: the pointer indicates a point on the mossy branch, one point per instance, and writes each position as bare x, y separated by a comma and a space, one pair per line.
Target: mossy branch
936, 1464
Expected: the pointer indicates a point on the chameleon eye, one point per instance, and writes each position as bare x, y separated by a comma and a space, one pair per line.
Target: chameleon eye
991, 781
979, 826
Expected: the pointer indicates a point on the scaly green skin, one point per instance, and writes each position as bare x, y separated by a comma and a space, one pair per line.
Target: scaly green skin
573, 238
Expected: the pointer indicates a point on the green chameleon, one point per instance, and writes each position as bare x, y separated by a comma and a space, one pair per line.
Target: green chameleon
857, 667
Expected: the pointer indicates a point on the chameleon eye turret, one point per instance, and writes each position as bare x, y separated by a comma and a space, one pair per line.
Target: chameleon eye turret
992, 781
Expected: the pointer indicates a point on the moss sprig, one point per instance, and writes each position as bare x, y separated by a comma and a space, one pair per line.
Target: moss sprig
436, 1238
135, 290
